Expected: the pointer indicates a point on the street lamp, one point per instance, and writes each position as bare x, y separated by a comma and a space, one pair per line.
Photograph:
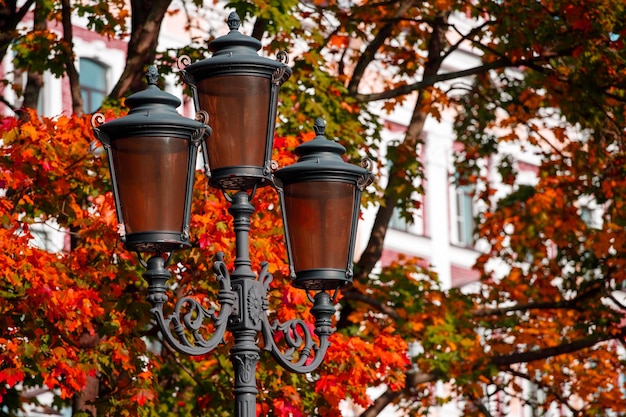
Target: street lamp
152, 157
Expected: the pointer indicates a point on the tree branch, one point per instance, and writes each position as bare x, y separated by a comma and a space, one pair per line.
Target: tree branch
544, 353
432, 80
413, 379
476, 402
370, 51
467, 37
352, 294
9, 105
558, 396
147, 16
34, 80
10, 17
260, 25
574, 304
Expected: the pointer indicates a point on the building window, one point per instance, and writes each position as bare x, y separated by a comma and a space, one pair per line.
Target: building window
93, 84
464, 216
415, 224
398, 222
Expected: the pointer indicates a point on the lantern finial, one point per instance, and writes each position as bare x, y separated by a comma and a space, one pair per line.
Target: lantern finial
152, 75
319, 126
233, 21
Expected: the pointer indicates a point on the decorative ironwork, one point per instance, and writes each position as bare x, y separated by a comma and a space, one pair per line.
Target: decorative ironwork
244, 309
302, 354
319, 127
255, 305
182, 329
97, 119
245, 365
244, 312
152, 75
280, 74
233, 21
282, 56
365, 179
183, 61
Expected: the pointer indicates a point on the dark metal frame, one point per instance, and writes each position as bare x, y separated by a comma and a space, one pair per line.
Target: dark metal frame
320, 160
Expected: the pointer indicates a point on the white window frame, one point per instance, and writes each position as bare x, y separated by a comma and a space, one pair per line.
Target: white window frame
464, 213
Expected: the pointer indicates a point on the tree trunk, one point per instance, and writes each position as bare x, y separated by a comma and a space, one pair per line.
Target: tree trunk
413, 380
10, 17
84, 401
147, 16
34, 81
412, 138
68, 45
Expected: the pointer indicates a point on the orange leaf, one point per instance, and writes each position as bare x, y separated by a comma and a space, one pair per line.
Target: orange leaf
143, 395
11, 376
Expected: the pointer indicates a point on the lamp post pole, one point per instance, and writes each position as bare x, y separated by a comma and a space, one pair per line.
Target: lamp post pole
246, 323
152, 156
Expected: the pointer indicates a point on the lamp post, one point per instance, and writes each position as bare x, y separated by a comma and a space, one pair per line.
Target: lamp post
152, 155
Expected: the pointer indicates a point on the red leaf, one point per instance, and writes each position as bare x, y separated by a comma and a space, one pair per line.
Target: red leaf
11, 376
143, 395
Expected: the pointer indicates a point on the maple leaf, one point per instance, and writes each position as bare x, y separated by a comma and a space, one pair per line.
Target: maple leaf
143, 396
11, 376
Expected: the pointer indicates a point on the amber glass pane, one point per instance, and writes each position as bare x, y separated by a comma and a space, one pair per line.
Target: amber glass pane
238, 108
152, 180
319, 218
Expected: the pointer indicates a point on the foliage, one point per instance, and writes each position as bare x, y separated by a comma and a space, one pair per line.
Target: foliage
547, 79
65, 317
45, 49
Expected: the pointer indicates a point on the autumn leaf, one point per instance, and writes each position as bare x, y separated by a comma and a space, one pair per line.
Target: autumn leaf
143, 396
11, 376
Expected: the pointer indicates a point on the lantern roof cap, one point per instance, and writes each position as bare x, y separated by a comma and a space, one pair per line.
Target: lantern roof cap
234, 39
236, 54
152, 94
152, 113
321, 159
319, 143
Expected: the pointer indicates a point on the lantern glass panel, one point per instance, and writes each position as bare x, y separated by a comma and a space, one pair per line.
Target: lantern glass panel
238, 108
319, 218
152, 182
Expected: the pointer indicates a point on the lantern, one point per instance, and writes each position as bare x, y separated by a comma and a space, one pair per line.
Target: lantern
152, 157
320, 201
239, 90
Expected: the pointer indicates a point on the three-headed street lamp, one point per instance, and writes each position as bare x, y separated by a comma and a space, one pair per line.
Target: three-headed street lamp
152, 157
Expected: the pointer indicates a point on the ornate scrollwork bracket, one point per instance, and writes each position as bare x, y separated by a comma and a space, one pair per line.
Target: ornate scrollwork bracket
302, 354
244, 311
182, 329
366, 179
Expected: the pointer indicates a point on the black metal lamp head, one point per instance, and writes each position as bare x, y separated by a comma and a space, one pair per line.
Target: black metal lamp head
320, 200
239, 90
152, 157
